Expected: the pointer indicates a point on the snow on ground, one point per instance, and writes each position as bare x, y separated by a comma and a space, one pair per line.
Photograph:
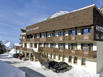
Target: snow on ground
8, 70
13, 51
34, 69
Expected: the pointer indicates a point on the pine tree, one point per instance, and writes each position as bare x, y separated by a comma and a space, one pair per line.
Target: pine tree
2, 48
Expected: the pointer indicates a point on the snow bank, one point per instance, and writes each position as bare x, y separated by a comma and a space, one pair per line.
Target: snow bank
37, 64
74, 72
78, 72
13, 51
8, 70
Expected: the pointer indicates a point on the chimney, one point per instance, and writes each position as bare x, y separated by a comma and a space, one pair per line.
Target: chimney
101, 9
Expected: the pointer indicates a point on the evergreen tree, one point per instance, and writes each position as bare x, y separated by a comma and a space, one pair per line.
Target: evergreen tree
2, 48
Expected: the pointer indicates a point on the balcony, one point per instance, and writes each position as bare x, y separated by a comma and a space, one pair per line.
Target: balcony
23, 40
26, 49
86, 37
42, 39
80, 53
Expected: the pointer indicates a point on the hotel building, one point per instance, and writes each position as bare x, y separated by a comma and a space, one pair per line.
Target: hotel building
75, 38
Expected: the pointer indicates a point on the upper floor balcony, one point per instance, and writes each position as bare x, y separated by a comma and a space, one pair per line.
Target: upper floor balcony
80, 53
84, 37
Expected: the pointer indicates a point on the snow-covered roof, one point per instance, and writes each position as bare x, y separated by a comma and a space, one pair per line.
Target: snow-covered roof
59, 13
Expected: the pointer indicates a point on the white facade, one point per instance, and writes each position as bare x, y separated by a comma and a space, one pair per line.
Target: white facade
99, 56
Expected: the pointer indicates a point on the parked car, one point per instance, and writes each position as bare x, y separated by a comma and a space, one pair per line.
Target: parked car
51, 64
61, 67
16, 55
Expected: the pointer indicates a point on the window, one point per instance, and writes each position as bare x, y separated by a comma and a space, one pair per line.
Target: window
69, 46
35, 36
53, 45
53, 34
63, 57
73, 46
61, 33
54, 56
70, 59
87, 47
45, 34
40, 44
83, 61
31, 45
86, 30
25, 45
40, 35
35, 45
75, 59
45, 45
72, 32
59, 57
61, 45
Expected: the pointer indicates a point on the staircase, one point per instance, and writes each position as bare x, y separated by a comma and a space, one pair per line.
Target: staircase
40, 57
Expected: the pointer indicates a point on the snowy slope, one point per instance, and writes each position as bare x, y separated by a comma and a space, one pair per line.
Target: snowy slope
8, 44
59, 13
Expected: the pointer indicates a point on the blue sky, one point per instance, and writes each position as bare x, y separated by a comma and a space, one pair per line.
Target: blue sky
17, 14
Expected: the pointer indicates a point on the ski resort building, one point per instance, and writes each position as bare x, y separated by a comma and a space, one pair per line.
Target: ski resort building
75, 37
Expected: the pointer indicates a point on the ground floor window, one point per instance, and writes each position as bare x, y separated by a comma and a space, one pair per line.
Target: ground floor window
52, 45
61, 45
25, 45
72, 46
59, 57
75, 59
51, 55
63, 58
35, 45
46, 45
70, 58
87, 47
83, 61
31, 45
47, 54
40, 44
54, 56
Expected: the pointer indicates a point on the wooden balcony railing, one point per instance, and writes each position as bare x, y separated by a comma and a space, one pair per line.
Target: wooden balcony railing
89, 54
42, 39
85, 37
